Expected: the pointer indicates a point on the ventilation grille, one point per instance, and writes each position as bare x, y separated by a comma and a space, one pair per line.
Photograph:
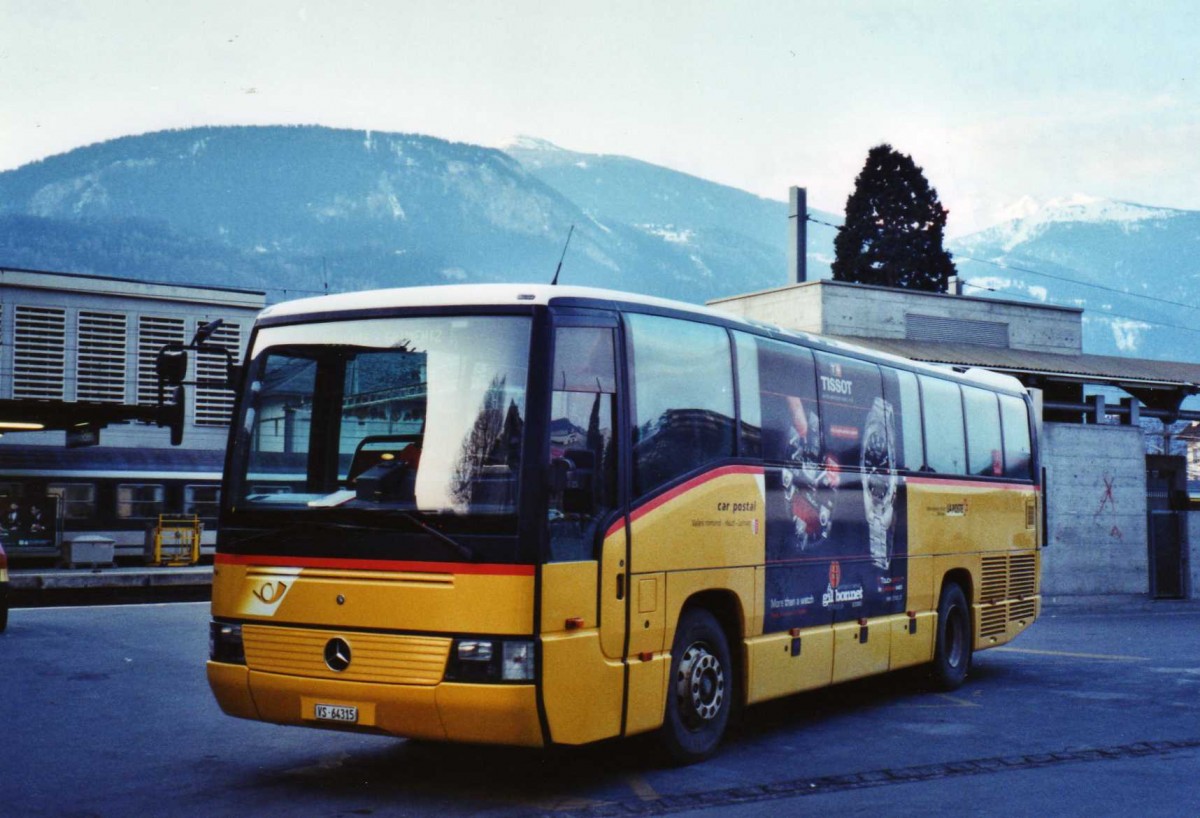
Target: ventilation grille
992, 621
919, 327
382, 658
1023, 610
994, 580
152, 334
39, 350
1022, 576
1007, 585
100, 367
214, 404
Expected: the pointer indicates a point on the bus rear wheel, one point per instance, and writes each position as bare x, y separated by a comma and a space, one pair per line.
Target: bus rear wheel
700, 695
952, 655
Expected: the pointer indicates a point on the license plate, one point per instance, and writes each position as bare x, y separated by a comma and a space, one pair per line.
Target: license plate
335, 712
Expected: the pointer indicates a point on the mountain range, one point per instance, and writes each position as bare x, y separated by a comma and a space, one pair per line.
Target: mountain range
298, 210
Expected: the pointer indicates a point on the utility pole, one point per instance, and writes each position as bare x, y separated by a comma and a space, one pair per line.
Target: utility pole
798, 239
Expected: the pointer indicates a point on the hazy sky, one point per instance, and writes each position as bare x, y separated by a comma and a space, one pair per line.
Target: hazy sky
996, 100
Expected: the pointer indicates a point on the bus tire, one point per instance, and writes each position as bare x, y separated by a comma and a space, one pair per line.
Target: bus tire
952, 654
701, 690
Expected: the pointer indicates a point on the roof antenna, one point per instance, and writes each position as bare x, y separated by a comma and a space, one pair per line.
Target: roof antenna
566, 244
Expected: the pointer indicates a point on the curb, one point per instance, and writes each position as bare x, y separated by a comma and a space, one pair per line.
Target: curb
68, 579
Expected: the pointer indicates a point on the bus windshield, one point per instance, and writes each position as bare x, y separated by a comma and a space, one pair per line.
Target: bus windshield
421, 414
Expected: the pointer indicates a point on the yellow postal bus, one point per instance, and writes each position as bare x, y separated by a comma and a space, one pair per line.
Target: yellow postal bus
538, 515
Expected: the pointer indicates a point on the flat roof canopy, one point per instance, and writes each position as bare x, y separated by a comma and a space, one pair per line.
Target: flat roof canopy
1158, 384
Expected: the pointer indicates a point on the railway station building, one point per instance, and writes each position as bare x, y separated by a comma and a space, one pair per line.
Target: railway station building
82, 454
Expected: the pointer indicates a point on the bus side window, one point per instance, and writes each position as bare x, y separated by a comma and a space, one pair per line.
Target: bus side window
791, 430
749, 395
901, 391
983, 433
852, 409
582, 444
1018, 447
945, 447
683, 397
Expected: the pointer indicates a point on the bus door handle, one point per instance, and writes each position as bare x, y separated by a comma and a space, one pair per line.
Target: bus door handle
620, 586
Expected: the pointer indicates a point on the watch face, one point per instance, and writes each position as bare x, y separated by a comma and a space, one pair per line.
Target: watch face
877, 465
878, 459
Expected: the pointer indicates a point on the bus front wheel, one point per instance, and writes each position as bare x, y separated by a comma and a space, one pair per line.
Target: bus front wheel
952, 655
700, 695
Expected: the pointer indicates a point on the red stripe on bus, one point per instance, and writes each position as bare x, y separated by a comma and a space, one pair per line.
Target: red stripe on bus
969, 484
397, 566
683, 488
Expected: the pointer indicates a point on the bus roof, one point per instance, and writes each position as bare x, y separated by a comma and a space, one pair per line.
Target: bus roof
493, 295
470, 295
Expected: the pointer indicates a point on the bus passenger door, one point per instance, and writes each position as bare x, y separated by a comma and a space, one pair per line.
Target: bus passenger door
585, 578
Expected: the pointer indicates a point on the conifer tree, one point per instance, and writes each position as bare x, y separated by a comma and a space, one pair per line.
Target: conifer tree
894, 227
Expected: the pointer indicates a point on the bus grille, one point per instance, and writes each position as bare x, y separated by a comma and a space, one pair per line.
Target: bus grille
992, 621
378, 658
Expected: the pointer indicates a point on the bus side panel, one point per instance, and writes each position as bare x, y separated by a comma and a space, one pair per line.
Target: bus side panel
648, 683
861, 648
912, 639
713, 520
962, 517
990, 531
779, 664
581, 690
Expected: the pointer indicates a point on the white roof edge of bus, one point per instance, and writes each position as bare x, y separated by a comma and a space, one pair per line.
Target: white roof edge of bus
486, 295
468, 295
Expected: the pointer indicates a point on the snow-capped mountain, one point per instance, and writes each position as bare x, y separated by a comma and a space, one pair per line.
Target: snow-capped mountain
296, 209
1135, 270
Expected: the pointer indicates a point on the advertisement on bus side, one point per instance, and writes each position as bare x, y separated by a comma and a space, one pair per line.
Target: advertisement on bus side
836, 537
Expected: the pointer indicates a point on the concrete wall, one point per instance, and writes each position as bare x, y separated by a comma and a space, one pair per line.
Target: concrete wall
1096, 494
797, 306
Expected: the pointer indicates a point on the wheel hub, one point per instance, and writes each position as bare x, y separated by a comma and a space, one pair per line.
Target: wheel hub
700, 685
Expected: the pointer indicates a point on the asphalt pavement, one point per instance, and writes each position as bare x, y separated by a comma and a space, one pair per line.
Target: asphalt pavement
1095, 711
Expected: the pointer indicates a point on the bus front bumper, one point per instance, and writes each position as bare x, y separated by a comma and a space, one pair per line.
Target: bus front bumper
448, 711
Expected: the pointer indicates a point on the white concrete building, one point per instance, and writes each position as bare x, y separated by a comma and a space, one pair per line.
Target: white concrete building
77, 354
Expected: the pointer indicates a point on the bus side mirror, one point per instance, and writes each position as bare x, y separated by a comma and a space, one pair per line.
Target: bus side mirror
171, 365
171, 414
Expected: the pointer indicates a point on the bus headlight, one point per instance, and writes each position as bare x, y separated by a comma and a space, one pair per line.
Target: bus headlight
491, 660
518, 662
225, 643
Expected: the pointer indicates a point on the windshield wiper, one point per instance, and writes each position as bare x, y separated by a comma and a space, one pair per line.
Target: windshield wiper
463, 551
308, 527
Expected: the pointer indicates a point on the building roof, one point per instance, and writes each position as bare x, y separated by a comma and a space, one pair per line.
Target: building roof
89, 284
1136, 372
